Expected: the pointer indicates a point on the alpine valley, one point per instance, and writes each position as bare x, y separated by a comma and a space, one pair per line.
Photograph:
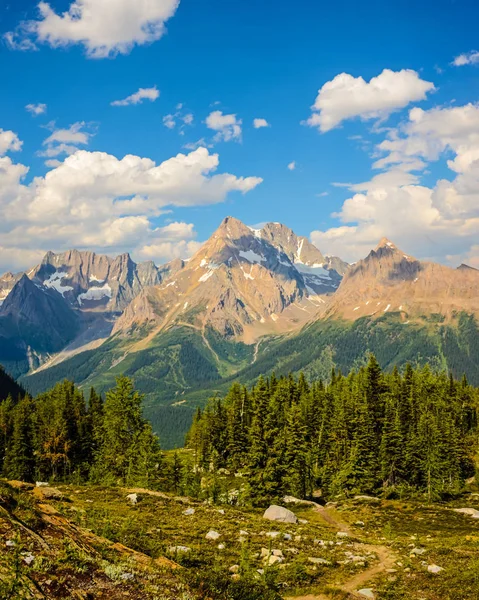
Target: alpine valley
249, 302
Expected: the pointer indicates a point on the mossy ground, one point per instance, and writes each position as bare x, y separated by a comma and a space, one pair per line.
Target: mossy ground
94, 544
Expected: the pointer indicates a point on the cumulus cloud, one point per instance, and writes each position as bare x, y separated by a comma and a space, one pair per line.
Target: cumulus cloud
64, 141
36, 109
441, 221
151, 94
259, 123
228, 127
292, 165
469, 58
98, 201
9, 142
103, 27
347, 97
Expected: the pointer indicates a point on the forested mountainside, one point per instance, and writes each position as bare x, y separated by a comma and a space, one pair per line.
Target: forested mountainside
356, 434
360, 434
9, 387
178, 372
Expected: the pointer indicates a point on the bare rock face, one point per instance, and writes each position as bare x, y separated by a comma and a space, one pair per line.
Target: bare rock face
388, 280
242, 282
36, 319
94, 282
7, 282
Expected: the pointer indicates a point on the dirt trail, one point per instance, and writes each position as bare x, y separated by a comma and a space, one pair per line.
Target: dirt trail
386, 557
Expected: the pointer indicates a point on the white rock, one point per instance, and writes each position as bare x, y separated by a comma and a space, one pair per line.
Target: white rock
342, 534
434, 569
10, 544
42, 484
28, 558
221, 546
279, 513
212, 535
132, 499
468, 511
272, 560
175, 549
277, 552
418, 551
189, 511
288, 537
273, 534
234, 568
366, 593
319, 561
243, 532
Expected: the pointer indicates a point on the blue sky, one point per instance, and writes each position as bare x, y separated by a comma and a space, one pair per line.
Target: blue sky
253, 60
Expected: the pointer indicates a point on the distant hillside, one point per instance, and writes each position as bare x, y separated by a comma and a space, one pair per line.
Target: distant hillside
8, 386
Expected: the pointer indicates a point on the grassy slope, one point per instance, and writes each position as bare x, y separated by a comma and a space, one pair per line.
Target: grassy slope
179, 371
381, 536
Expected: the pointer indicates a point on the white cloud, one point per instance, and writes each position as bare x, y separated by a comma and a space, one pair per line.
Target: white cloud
169, 121
151, 94
201, 143
347, 97
64, 141
292, 165
228, 127
104, 27
97, 201
259, 123
469, 58
53, 163
9, 142
440, 222
180, 117
36, 109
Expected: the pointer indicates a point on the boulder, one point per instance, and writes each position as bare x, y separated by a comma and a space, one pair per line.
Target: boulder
42, 484
468, 511
281, 514
212, 535
366, 593
48, 493
434, 569
189, 511
132, 499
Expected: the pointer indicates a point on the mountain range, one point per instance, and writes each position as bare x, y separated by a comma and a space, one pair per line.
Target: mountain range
250, 301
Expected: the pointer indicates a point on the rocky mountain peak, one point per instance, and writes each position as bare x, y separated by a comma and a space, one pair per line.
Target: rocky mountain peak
231, 228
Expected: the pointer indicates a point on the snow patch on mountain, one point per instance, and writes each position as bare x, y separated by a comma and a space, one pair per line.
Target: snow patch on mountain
251, 256
95, 293
55, 282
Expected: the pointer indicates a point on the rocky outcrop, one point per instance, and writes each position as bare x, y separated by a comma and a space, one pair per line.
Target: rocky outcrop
389, 280
90, 281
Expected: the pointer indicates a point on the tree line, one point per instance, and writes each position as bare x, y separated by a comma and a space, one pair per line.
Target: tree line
60, 436
364, 433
